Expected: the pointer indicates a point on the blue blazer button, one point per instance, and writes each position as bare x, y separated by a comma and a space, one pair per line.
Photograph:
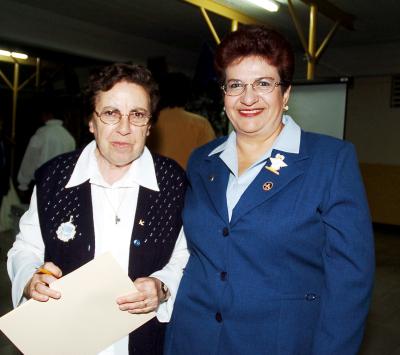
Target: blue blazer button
137, 243
310, 296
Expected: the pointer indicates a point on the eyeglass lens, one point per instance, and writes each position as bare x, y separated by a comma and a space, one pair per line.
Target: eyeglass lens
113, 116
236, 87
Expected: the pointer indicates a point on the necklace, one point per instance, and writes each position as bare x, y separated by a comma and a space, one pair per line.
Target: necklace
117, 219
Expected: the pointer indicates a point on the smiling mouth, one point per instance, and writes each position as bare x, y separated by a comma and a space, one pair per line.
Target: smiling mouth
250, 112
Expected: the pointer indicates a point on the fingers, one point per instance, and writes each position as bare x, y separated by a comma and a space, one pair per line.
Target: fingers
41, 292
54, 269
38, 286
135, 307
144, 300
38, 289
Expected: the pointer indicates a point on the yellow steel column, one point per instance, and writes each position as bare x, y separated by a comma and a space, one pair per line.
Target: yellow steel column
234, 25
15, 97
312, 42
37, 81
14, 116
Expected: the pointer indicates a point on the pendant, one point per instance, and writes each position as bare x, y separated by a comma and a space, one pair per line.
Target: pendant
117, 219
66, 231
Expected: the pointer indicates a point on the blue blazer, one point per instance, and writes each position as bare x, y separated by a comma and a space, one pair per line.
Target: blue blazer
291, 273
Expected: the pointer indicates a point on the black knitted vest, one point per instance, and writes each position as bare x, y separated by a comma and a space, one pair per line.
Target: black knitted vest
152, 241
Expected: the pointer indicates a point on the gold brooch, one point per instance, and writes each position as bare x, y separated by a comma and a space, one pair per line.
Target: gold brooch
267, 186
276, 163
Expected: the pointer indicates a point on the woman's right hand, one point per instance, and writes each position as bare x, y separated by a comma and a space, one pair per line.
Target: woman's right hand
38, 286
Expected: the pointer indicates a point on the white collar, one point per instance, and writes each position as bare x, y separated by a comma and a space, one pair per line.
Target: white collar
287, 141
54, 121
141, 172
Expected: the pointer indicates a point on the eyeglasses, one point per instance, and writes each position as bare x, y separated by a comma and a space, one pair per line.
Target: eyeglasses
113, 116
260, 86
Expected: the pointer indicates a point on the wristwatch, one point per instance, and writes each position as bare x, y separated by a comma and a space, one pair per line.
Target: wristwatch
164, 291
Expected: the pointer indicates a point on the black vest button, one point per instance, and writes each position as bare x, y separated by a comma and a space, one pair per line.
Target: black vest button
225, 232
218, 317
223, 275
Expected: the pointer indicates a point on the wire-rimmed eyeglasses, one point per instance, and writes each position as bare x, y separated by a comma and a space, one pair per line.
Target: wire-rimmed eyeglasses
261, 86
136, 117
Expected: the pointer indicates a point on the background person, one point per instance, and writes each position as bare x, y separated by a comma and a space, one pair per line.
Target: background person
277, 223
48, 141
178, 132
115, 197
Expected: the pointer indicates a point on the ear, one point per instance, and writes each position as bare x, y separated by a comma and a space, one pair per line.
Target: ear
91, 128
148, 130
286, 96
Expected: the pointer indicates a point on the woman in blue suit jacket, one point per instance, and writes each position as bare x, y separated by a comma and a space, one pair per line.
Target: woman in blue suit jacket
282, 257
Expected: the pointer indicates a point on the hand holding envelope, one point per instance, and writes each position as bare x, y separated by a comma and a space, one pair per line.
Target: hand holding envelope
37, 287
144, 300
86, 321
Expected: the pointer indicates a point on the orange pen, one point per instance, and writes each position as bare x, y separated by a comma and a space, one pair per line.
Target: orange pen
42, 270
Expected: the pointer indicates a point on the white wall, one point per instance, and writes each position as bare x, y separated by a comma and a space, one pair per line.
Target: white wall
320, 108
371, 124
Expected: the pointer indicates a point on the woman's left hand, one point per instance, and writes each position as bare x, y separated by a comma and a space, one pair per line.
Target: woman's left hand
146, 299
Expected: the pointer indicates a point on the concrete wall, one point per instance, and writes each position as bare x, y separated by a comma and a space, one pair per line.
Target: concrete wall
371, 124
374, 127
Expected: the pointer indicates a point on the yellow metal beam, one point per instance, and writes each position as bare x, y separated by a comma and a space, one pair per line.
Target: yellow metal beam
210, 25
333, 12
298, 27
7, 59
15, 97
223, 11
326, 40
310, 48
14, 115
8, 82
234, 25
231, 14
37, 81
15, 87
312, 41
20, 87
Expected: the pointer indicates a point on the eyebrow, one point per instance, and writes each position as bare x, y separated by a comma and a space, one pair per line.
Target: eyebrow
260, 78
113, 108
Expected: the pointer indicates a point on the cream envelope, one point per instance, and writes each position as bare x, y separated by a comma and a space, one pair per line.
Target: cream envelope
85, 320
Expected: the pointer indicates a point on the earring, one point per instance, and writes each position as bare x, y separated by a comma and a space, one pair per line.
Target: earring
285, 108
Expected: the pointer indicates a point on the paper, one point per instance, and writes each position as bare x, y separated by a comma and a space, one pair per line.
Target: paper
85, 320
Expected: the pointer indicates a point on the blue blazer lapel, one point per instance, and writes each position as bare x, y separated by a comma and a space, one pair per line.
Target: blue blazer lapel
267, 184
215, 176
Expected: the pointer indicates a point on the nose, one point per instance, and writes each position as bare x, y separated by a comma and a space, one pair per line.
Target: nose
249, 96
124, 126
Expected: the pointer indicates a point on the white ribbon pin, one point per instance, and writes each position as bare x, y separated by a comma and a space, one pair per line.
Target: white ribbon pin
276, 164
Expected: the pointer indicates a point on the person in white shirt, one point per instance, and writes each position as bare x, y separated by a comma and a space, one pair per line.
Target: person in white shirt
113, 196
47, 142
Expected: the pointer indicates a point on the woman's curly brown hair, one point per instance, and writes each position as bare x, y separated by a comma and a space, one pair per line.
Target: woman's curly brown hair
105, 78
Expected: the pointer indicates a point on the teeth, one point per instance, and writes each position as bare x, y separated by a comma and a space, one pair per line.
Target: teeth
250, 111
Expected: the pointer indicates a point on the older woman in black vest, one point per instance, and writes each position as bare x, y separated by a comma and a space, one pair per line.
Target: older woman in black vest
114, 196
